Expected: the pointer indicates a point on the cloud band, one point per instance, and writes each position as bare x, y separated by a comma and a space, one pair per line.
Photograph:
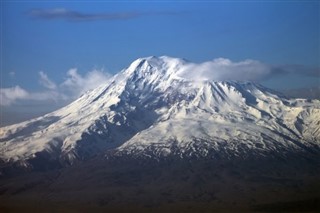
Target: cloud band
76, 16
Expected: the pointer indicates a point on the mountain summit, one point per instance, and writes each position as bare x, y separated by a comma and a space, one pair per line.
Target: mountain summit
150, 110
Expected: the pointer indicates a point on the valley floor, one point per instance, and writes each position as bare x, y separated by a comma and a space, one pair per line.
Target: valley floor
170, 186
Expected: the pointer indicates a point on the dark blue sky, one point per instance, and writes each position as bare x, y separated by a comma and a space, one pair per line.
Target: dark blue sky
54, 37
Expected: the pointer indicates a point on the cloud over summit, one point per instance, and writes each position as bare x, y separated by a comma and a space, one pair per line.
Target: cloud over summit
224, 69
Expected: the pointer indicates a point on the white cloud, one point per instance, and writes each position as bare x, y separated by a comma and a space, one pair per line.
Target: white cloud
224, 69
46, 82
10, 95
72, 87
75, 84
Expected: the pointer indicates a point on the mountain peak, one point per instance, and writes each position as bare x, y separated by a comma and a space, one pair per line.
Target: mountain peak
157, 63
149, 107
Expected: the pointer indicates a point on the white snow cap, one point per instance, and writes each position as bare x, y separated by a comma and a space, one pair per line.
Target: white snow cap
161, 104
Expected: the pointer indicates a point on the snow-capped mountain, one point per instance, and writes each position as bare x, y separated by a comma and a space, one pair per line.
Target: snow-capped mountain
150, 110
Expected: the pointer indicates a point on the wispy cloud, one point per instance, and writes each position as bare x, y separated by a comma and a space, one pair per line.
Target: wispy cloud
46, 82
248, 70
72, 87
75, 84
71, 15
225, 69
10, 95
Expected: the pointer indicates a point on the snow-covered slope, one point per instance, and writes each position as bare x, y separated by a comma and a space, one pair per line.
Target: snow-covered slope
148, 109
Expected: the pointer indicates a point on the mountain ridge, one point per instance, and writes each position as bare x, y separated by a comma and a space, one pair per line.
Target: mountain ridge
150, 109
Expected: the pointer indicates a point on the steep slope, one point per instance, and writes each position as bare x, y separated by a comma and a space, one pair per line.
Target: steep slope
230, 119
149, 110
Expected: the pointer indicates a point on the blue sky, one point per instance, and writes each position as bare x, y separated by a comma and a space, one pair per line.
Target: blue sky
105, 37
